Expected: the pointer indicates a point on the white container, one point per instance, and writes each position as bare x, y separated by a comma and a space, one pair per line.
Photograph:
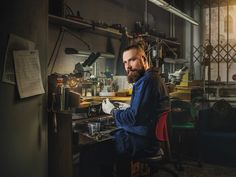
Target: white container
107, 93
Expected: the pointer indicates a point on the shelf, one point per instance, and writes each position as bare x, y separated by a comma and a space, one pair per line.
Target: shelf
88, 27
158, 39
83, 26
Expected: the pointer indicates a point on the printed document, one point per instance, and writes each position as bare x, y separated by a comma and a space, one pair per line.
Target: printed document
28, 73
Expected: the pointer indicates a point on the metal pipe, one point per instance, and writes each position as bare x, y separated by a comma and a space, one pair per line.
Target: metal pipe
146, 15
209, 66
227, 60
191, 75
218, 48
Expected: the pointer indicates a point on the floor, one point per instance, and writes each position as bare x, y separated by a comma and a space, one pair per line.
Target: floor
207, 170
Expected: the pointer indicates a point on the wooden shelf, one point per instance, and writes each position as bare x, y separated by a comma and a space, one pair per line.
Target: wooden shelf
83, 26
168, 41
88, 27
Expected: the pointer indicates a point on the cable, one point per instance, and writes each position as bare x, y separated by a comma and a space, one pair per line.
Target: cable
174, 53
68, 10
55, 46
57, 52
76, 36
58, 43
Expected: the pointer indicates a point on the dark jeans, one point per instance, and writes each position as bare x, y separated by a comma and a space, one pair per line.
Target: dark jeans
134, 145
98, 159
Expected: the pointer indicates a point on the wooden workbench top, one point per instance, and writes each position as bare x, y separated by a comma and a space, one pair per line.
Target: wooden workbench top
112, 98
88, 100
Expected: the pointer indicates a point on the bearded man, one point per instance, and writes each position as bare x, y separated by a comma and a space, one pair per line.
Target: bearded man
136, 123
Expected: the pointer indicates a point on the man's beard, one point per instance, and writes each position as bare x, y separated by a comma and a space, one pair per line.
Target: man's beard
135, 74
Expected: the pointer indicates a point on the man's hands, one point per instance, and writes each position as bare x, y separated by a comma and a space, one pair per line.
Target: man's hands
107, 106
121, 105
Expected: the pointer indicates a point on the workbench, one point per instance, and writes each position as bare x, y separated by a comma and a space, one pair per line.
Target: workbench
98, 99
65, 145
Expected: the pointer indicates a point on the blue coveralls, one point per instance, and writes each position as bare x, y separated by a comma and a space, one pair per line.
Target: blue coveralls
137, 122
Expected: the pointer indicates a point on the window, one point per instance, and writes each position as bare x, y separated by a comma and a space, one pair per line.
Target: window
219, 32
230, 24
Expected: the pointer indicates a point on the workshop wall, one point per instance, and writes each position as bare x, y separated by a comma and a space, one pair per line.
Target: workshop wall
23, 123
121, 12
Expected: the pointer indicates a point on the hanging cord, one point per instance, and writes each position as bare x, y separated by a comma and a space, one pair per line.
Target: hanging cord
58, 49
68, 10
77, 37
55, 46
172, 51
58, 43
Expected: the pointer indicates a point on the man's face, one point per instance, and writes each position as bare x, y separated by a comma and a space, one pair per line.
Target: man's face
134, 63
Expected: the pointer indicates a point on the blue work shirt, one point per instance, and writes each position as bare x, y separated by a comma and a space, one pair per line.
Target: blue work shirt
147, 102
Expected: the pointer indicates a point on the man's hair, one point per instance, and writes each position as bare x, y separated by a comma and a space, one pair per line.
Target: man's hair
140, 46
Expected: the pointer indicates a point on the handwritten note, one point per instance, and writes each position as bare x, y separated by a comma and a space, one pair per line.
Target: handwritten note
28, 73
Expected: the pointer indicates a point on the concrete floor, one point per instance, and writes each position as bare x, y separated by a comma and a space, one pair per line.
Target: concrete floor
207, 170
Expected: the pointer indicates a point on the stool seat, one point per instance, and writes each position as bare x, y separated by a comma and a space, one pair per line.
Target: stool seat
159, 160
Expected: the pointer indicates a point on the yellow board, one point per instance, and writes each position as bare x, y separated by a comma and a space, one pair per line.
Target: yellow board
100, 99
185, 80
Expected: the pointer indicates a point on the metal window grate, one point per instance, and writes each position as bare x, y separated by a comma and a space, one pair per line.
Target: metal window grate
223, 50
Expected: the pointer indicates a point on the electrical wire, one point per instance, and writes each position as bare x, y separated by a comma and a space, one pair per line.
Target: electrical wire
76, 36
68, 10
58, 43
57, 52
55, 46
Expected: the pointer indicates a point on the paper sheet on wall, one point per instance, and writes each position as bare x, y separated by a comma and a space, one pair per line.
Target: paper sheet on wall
28, 73
14, 43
